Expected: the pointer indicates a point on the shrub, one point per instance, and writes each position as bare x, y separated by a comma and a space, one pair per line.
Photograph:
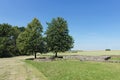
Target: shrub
107, 49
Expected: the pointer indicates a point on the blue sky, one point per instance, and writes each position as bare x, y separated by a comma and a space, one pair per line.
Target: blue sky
94, 24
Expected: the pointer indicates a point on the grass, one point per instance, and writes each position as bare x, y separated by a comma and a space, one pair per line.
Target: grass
76, 70
92, 53
15, 69
115, 58
33, 73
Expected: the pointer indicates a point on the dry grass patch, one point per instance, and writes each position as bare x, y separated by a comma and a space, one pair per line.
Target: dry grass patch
16, 69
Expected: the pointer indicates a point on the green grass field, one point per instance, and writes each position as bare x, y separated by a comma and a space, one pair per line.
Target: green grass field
114, 52
76, 70
92, 53
17, 68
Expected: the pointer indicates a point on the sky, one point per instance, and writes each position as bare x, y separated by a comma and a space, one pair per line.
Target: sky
94, 24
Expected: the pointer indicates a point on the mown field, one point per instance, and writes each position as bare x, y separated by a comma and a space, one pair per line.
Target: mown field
114, 52
92, 53
76, 70
17, 68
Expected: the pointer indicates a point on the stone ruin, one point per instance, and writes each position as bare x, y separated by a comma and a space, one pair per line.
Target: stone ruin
78, 57
87, 58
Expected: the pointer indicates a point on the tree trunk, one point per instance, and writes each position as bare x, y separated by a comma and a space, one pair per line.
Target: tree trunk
55, 54
35, 55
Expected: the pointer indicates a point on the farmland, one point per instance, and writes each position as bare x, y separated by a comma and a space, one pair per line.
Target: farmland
92, 53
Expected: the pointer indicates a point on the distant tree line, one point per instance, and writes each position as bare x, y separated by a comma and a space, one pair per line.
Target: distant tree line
15, 41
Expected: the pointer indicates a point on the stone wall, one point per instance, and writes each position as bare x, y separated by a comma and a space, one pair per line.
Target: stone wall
87, 58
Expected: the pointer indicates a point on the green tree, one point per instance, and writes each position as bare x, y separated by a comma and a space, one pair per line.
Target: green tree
8, 36
22, 29
22, 42
31, 39
57, 36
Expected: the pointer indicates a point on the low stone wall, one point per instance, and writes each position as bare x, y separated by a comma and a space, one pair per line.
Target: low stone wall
113, 61
87, 58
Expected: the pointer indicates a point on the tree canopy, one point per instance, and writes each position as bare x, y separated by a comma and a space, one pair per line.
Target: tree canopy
30, 41
8, 36
57, 34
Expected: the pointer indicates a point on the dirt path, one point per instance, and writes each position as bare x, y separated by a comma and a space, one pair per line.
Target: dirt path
16, 69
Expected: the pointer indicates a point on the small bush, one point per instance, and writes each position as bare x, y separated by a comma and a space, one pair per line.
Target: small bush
107, 49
